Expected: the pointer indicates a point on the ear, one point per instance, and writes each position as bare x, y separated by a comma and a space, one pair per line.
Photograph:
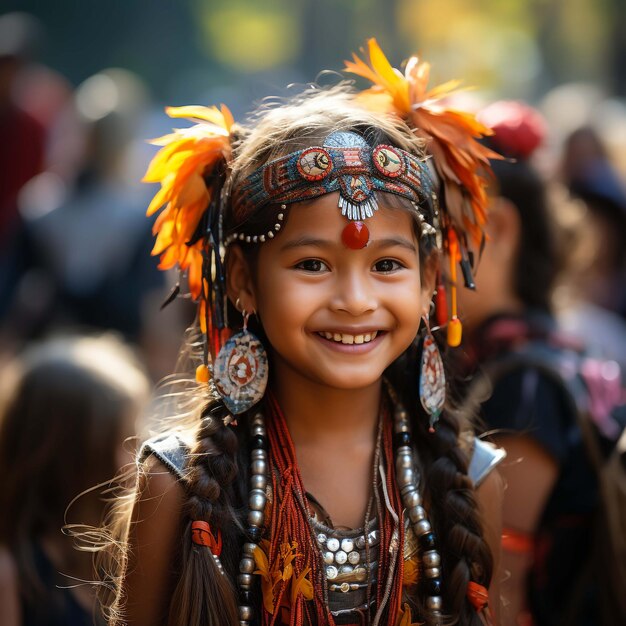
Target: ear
428, 279
239, 283
504, 228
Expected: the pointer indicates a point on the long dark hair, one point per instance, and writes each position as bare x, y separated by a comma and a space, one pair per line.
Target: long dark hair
69, 405
216, 483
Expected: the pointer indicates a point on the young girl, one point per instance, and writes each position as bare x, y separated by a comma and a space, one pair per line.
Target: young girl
321, 480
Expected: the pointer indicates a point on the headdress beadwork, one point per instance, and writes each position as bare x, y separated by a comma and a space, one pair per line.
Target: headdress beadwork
345, 163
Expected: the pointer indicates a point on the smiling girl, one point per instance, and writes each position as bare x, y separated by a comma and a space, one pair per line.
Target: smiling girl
320, 478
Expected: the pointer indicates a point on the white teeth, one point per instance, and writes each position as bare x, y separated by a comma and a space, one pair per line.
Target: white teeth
349, 339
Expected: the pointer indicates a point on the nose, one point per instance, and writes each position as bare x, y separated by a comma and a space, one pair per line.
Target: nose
354, 294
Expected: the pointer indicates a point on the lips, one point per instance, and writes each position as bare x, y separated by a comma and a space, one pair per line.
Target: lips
349, 338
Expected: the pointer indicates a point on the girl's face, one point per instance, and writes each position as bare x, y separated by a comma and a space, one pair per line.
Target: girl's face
337, 316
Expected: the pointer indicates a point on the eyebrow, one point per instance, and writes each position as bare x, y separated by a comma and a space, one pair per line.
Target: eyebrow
387, 242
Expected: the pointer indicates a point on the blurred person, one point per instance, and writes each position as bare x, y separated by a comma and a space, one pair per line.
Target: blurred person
90, 264
517, 354
593, 298
69, 408
22, 144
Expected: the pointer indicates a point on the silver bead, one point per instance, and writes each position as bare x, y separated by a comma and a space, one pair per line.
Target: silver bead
340, 557
346, 569
245, 580
333, 544
412, 499
331, 572
255, 518
276, 227
258, 481
347, 545
270, 234
257, 500
406, 476
280, 217
360, 574
258, 466
258, 430
249, 548
246, 565
404, 451
245, 613
404, 491
322, 538
354, 557
431, 559
248, 239
258, 453
434, 603
416, 514
241, 236
255, 239
432, 572
329, 558
422, 527
404, 461
262, 238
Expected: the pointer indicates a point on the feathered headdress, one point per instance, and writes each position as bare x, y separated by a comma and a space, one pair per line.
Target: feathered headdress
192, 167
461, 162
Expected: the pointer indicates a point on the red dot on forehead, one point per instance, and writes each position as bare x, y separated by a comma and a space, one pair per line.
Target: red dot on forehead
355, 235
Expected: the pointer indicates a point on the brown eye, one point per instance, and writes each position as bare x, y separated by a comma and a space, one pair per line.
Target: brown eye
384, 266
312, 265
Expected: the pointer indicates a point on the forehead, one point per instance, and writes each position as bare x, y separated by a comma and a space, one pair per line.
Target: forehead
322, 218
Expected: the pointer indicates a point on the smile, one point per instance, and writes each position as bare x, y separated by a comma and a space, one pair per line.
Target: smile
349, 339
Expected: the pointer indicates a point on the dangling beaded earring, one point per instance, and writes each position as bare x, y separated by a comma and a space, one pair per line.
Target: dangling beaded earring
432, 385
240, 370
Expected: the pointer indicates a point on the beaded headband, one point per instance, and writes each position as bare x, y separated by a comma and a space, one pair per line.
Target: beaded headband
345, 163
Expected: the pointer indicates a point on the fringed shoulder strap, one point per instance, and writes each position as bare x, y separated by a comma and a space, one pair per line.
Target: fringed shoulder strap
485, 457
170, 449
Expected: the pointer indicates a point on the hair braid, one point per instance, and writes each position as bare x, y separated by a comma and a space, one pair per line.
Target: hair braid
203, 595
454, 512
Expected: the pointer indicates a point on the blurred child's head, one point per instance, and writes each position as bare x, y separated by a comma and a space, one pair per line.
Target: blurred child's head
519, 264
70, 406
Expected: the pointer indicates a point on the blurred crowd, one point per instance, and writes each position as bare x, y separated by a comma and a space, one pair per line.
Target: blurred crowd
82, 338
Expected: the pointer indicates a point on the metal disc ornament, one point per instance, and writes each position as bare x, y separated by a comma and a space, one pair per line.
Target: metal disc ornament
240, 372
432, 380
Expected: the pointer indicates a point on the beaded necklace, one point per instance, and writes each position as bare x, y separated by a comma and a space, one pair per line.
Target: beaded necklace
407, 482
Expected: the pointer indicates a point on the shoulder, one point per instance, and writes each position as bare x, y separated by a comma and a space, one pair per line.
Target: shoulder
484, 458
9, 588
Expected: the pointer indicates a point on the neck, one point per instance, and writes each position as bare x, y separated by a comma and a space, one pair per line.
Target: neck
316, 413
